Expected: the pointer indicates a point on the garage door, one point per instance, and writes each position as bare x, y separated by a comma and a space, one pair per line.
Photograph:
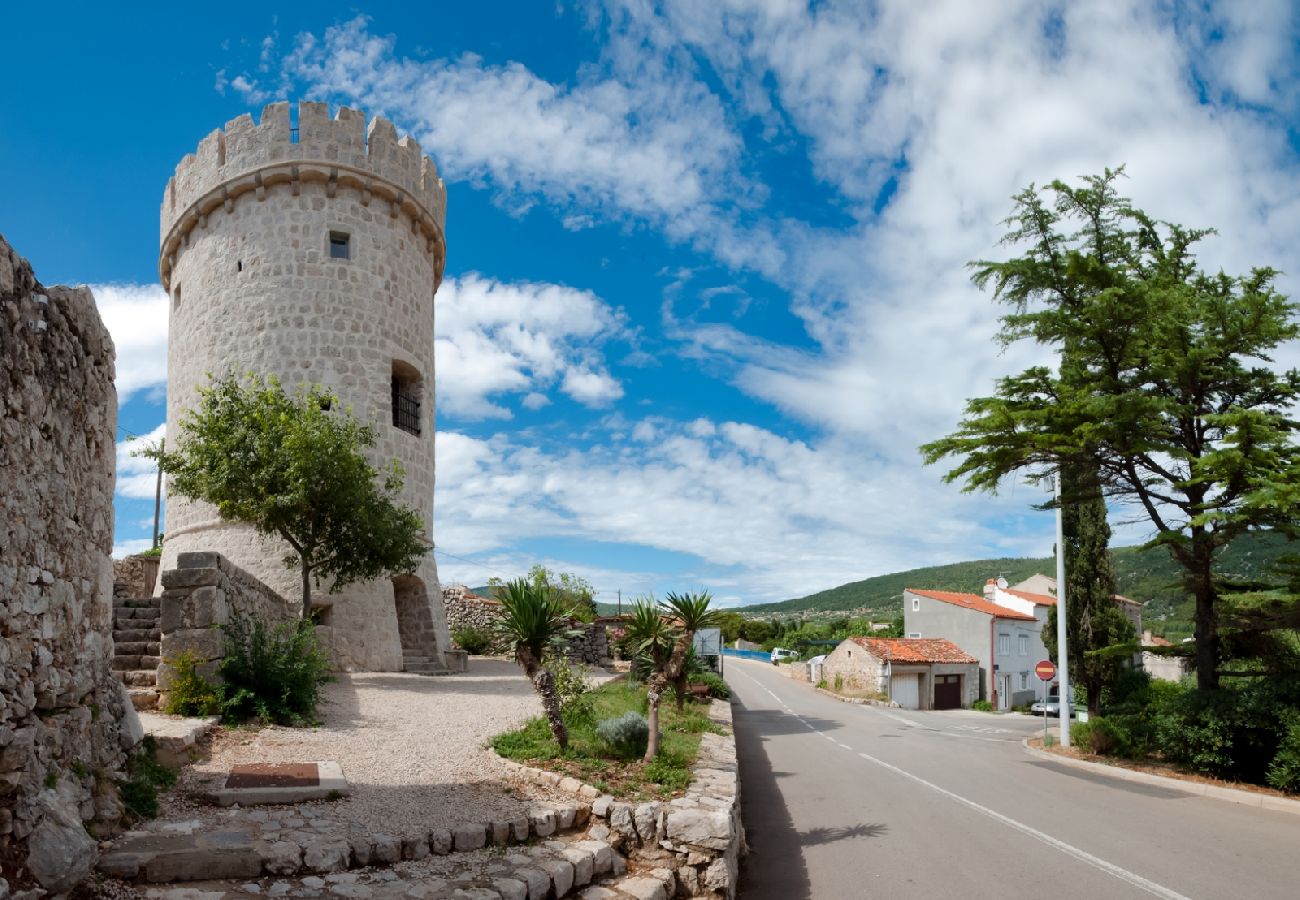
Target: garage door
947, 692
907, 694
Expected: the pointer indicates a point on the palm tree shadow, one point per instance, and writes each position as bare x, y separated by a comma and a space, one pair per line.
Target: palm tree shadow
815, 836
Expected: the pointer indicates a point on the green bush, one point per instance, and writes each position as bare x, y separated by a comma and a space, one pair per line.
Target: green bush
189, 693
272, 673
982, 706
571, 688
1284, 770
717, 686
670, 771
839, 682
144, 777
626, 736
476, 641
1101, 736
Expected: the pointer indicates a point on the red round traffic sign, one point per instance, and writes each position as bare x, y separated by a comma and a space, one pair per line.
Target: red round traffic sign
1045, 670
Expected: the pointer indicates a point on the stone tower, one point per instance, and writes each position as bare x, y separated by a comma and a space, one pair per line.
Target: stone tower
313, 254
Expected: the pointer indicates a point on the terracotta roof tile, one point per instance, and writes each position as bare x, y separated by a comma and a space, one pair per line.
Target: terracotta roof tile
970, 601
915, 650
1036, 599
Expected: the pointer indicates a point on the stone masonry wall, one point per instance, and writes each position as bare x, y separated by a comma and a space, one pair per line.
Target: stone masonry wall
65, 721
466, 610
202, 593
135, 576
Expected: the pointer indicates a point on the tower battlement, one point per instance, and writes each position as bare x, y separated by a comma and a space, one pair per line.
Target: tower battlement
248, 157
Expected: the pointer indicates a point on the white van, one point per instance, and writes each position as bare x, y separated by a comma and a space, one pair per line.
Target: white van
780, 653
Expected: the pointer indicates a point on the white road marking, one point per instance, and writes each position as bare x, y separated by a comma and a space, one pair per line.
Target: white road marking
1084, 856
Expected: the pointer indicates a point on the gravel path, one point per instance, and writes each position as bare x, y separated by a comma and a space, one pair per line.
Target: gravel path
413, 748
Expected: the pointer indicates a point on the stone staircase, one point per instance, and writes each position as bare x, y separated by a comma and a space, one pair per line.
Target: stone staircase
416, 664
137, 648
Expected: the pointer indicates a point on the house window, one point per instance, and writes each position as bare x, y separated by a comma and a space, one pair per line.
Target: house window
1023, 641
176, 297
914, 634
916, 604
1024, 680
340, 245
407, 391
1004, 644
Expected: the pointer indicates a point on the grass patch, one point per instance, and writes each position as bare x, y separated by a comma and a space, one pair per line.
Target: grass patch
145, 777
591, 760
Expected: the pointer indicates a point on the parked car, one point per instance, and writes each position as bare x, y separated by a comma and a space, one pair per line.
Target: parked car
780, 653
1049, 707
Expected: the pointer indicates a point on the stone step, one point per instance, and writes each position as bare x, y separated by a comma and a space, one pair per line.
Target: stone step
128, 635
125, 663
128, 648
138, 677
130, 614
137, 602
143, 697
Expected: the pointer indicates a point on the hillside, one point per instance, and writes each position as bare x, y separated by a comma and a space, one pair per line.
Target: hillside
1146, 575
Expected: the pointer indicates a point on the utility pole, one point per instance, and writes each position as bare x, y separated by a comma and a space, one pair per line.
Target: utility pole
620, 602
1063, 650
157, 495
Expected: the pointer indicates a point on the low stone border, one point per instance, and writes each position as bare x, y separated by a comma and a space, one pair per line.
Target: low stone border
691, 845
171, 855
1230, 795
858, 701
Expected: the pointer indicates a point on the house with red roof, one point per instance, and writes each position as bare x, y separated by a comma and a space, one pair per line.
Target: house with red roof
915, 673
1002, 629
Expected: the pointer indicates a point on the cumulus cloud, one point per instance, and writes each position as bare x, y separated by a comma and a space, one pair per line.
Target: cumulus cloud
496, 338
137, 476
136, 317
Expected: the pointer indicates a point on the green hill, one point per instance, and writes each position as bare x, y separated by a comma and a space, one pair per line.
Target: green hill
1146, 575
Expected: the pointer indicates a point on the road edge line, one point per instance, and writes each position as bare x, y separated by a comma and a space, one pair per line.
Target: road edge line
1194, 788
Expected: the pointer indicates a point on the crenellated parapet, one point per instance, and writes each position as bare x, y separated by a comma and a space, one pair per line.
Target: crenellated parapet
248, 158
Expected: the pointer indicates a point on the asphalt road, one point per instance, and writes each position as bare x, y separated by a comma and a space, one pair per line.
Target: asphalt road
842, 800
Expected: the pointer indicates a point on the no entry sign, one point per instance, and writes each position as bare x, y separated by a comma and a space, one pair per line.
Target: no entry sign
1045, 670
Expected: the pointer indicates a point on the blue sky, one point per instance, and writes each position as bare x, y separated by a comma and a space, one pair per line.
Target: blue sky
705, 290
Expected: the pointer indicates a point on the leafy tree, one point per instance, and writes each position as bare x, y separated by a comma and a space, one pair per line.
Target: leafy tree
532, 619
691, 612
293, 467
1095, 622
1170, 399
573, 590
653, 637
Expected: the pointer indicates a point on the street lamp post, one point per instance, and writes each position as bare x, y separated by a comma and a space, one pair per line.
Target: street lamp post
1062, 647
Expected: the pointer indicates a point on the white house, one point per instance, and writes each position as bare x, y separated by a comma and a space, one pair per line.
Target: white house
926, 673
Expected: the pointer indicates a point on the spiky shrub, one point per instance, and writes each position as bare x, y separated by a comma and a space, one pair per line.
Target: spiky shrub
272, 673
474, 640
532, 621
717, 686
626, 736
652, 637
692, 612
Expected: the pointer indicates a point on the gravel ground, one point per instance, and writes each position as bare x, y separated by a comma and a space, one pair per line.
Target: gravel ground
413, 748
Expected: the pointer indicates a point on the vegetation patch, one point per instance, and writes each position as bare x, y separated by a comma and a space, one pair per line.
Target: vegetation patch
594, 760
145, 778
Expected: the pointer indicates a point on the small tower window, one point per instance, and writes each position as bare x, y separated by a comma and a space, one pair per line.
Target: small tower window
176, 297
340, 245
408, 389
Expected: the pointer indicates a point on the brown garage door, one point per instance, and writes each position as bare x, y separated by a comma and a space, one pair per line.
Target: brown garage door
947, 692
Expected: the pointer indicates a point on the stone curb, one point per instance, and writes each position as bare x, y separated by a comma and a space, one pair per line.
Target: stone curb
857, 701
689, 846
1226, 794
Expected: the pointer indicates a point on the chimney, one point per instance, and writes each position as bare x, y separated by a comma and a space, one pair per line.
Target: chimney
990, 589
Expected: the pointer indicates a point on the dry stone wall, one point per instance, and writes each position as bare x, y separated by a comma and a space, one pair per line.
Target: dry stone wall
202, 593
65, 721
135, 576
590, 643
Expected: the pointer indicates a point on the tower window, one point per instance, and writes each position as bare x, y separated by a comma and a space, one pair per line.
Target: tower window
407, 394
340, 245
176, 297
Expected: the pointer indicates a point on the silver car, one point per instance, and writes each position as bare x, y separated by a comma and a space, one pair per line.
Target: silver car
1049, 707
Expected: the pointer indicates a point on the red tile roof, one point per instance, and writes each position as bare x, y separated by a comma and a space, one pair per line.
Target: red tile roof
1036, 599
914, 650
970, 601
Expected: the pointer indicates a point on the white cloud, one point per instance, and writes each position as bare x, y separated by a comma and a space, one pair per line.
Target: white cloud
123, 549
495, 338
136, 317
137, 476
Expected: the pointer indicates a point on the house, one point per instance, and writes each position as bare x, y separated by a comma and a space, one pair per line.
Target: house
1165, 668
924, 673
1002, 630
1046, 585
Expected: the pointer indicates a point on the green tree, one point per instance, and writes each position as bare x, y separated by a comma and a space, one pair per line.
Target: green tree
1170, 398
293, 467
1094, 621
533, 619
652, 637
572, 590
691, 612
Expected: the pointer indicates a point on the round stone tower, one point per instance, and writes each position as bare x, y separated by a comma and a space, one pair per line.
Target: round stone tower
313, 254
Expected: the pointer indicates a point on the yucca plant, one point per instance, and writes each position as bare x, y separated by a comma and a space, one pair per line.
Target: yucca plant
692, 613
532, 620
653, 636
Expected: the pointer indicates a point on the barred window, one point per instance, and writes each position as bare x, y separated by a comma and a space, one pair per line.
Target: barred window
407, 395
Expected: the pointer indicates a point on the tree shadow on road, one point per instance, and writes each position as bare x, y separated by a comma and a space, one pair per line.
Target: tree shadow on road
815, 836
774, 866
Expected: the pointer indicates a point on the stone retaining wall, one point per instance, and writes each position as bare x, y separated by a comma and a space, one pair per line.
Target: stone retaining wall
465, 610
135, 576
202, 593
65, 721
692, 844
